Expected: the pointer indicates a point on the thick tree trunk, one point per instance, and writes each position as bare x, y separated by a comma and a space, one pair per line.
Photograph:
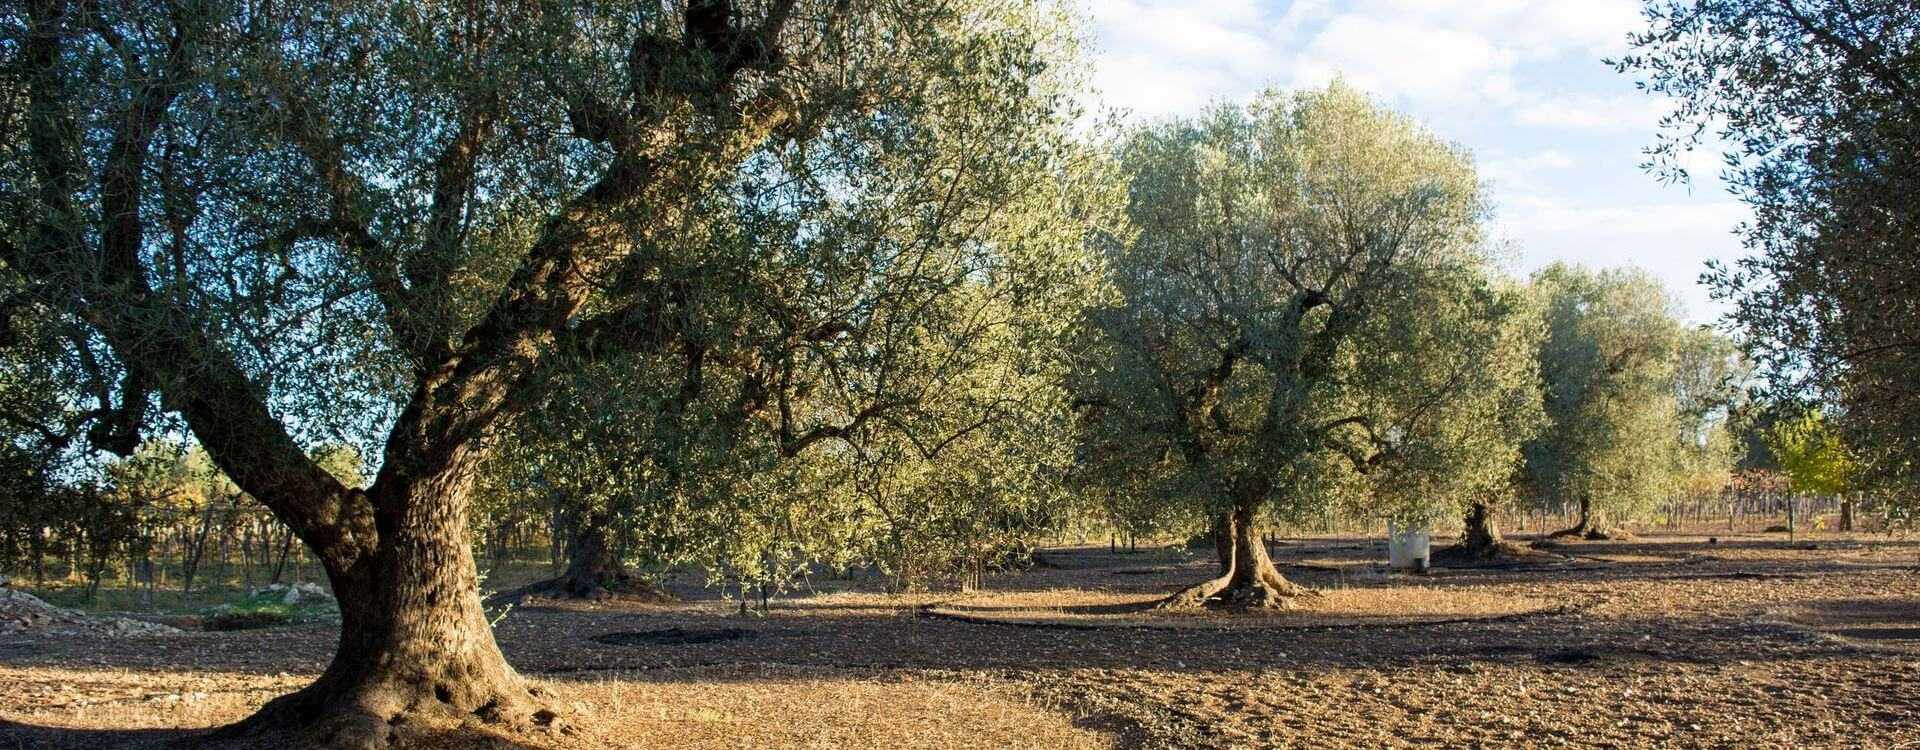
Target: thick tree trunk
1481, 540
416, 648
1250, 581
594, 570
1584, 527
1590, 526
1223, 541
1482, 534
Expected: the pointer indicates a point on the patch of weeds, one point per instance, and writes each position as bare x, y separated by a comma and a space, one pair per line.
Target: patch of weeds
267, 608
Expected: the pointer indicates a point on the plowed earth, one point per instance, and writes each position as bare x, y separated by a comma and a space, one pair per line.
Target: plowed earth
1667, 642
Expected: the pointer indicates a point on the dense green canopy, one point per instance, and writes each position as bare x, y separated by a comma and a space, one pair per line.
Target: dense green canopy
1305, 313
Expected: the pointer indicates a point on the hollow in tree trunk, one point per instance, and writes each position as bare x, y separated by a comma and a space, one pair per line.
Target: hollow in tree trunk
416, 648
1481, 540
1250, 581
594, 569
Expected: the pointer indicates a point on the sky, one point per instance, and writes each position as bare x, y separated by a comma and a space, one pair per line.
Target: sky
1556, 133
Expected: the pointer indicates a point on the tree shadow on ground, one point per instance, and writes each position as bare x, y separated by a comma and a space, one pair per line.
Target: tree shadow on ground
14, 735
29, 737
858, 634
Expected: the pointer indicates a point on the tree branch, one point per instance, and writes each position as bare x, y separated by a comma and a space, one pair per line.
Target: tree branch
791, 445
159, 343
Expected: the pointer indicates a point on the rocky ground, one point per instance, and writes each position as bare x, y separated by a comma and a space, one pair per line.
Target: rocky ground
1741, 642
23, 614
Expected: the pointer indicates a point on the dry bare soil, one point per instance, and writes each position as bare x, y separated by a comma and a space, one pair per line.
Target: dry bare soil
1747, 642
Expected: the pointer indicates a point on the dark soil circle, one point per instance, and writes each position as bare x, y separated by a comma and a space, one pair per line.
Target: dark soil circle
1885, 621
673, 636
1387, 606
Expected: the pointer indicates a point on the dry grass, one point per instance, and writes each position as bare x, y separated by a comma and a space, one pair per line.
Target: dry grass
749, 708
698, 709
78, 698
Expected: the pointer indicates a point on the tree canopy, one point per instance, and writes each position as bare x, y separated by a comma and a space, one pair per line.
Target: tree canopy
391, 223
1611, 401
1817, 103
1304, 305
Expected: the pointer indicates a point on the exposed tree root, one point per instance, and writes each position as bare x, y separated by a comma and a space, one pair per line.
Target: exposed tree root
1264, 592
1576, 531
383, 715
1248, 581
615, 587
1592, 533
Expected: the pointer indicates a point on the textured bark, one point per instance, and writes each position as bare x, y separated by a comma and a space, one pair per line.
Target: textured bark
415, 644
1250, 581
594, 570
1481, 540
1482, 531
1590, 527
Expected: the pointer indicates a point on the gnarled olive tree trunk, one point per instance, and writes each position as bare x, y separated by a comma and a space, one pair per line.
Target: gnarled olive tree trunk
415, 644
1249, 580
1584, 526
1481, 541
594, 569
1591, 526
1482, 534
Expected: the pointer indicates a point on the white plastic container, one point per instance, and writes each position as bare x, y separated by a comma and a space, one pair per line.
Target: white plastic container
1408, 548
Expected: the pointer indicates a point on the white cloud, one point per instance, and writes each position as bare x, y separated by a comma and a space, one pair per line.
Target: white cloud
1164, 56
1671, 239
1395, 58
1462, 54
1628, 112
1520, 172
1158, 57
1532, 28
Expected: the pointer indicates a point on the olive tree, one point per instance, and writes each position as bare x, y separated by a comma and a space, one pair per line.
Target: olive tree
295, 221
1818, 102
1607, 366
897, 289
1710, 379
1272, 245
1449, 386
